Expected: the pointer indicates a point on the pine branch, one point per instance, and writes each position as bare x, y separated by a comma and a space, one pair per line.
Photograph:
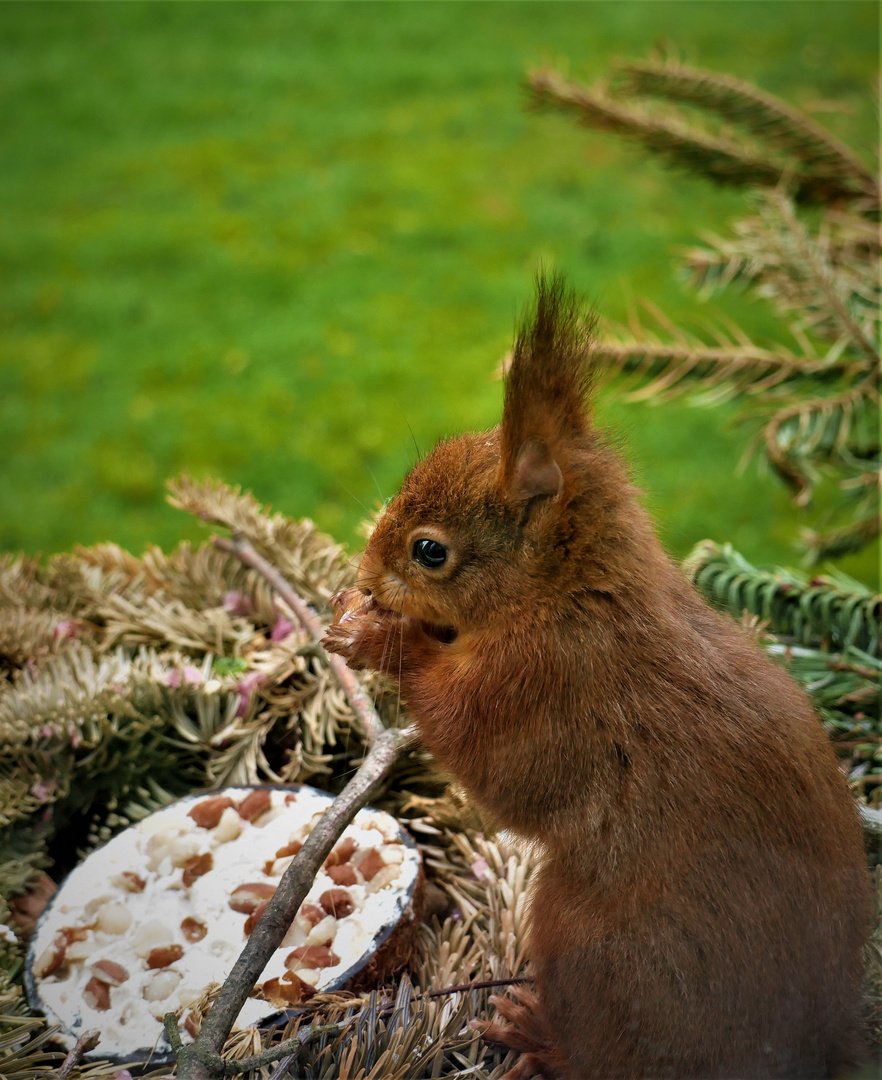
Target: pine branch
806, 433
733, 369
668, 133
772, 120
825, 630
848, 239
833, 612
844, 688
838, 542
815, 280
314, 566
22, 1039
358, 699
417, 1039
664, 134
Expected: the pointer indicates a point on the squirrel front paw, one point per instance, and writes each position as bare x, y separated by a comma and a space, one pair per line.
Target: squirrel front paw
362, 630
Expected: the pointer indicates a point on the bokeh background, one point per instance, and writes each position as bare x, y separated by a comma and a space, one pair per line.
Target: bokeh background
284, 245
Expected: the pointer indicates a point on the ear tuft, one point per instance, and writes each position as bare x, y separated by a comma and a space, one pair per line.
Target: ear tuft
547, 391
536, 472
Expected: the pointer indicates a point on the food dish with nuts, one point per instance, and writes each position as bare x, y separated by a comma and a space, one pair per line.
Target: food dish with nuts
144, 924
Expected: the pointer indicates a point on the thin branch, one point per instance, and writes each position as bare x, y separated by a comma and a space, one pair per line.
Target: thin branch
355, 694
465, 988
170, 1023
853, 537
748, 370
284, 1052
822, 276
86, 1042
668, 136
203, 1059
768, 117
807, 438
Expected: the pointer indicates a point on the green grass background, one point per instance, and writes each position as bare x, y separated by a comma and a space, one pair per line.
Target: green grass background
281, 244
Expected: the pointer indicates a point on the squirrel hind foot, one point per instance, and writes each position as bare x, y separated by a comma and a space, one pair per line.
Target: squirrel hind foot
526, 1031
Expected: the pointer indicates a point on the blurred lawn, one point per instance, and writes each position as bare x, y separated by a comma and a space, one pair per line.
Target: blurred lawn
278, 244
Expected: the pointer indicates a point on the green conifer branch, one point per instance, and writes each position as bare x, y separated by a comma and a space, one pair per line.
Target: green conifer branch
821, 546
23, 1055
844, 688
826, 284
830, 611
801, 276
779, 125
314, 566
839, 429
732, 370
665, 134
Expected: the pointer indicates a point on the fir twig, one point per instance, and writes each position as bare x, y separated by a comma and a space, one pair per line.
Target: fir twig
780, 126
821, 276
469, 987
816, 429
675, 369
84, 1044
358, 699
667, 135
284, 1053
835, 611
838, 542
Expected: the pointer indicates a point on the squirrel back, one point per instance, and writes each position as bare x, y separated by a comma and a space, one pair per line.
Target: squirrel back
702, 904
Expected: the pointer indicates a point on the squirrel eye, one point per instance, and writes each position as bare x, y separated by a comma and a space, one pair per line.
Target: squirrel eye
429, 553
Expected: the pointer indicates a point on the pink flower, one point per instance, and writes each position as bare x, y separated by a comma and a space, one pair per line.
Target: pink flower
238, 603
480, 869
43, 789
282, 629
66, 629
245, 688
191, 675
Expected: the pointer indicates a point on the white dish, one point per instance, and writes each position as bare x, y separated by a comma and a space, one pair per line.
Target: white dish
145, 923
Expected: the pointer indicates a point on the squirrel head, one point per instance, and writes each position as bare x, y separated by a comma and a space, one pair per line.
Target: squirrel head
525, 513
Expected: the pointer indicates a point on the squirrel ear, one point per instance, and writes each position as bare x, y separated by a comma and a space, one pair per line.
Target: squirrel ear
536, 472
547, 391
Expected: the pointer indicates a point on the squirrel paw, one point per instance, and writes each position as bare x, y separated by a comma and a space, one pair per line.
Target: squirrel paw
360, 631
526, 1032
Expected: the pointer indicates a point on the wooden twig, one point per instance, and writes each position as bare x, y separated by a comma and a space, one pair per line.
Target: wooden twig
283, 1067
464, 988
358, 699
202, 1060
86, 1042
285, 1053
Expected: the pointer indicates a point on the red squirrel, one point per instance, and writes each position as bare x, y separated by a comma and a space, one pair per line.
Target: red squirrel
702, 901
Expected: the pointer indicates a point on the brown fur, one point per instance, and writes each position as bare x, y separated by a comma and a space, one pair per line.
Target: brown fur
702, 904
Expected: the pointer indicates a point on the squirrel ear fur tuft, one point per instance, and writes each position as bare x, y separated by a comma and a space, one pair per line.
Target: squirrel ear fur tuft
547, 392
